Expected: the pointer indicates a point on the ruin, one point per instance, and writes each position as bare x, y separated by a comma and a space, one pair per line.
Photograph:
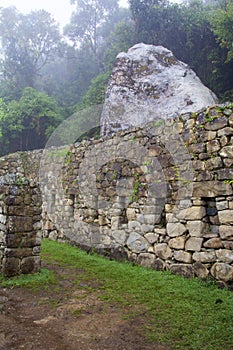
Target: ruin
159, 195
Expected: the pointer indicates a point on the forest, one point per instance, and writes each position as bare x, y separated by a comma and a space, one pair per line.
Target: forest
48, 73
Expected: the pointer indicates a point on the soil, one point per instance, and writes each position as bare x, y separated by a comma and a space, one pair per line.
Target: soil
69, 316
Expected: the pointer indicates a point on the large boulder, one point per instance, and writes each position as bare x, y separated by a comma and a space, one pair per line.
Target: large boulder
147, 83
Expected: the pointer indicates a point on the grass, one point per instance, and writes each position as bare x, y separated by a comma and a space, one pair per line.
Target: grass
180, 312
37, 280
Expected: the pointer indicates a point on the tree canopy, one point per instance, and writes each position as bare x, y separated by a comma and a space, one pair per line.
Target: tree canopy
46, 75
28, 42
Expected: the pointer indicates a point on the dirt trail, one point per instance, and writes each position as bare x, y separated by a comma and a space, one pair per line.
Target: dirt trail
68, 316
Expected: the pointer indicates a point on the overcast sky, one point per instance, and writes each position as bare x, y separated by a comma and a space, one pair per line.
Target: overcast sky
60, 9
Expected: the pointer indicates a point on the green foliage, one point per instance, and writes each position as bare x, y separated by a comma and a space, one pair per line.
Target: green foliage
180, 312
186, 30
222, 25
96, 92
28, 42
28, 122
121, 39
87, 20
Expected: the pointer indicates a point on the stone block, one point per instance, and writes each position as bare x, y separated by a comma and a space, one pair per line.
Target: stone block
10, 266
163, 251
200, 270
213, 146
19, 224
176, 229
222, 272
134, 225
224, 255
177, 242
146, 259
211, 189
115, 222
228, 244
27, 265
131, 214
193, 213
152, 237
226, 152
171, 218
196, 228
205, 257
159, 264
214, 243
213, 163
182, 256
119, 236
160, 231
194, 244
182, 270
136, 243
226, 232
216, 124
222, 205
147, 228
226, 216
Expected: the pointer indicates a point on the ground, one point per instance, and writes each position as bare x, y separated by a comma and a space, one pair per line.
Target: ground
69, 316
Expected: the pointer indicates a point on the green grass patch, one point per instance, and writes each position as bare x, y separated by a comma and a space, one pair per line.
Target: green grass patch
180, 312
37, 280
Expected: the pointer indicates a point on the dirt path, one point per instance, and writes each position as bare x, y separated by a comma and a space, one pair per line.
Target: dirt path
68, 317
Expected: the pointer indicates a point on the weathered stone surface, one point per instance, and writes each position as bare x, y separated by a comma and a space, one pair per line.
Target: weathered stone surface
211, 189
163, 251
222, 272
159, 264
182, 270
226, 216
213, 243
226, 152
213, 146
175, 229
194, 213
177, 242
182, 256
200, 270
27, 265
151, 237
226, 232
119, 236
196, 228
194, 244
131, 214
205, 257
11, 266
224, 255
137, 243
148, 83
216, 124
146, 259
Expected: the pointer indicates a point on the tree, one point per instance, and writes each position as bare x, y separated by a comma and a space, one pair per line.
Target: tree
86, 22
222, 26
28, 122
121, 39
28, 43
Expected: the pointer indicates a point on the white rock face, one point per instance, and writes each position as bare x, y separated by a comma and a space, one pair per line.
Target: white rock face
148, 83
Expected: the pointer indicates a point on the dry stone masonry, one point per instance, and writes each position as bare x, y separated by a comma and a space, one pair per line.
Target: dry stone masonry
20, 215
160, 196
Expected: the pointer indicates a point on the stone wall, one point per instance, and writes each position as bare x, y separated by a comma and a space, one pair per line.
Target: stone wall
160, 196
20, 215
